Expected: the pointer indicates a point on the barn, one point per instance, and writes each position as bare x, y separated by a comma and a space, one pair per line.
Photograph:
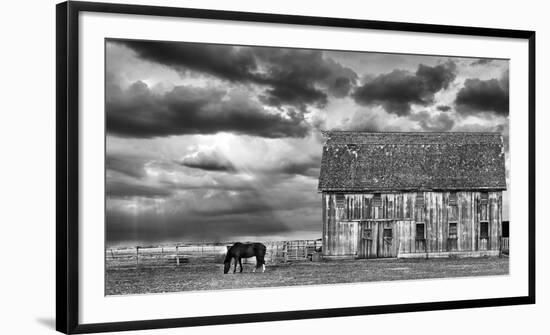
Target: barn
411, 195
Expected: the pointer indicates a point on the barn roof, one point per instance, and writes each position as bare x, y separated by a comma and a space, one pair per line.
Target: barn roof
364, 161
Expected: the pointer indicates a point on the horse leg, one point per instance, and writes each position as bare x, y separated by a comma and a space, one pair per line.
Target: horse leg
241, 264
257, 264
235, 265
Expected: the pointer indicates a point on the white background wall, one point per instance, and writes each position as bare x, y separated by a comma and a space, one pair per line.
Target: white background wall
27, 121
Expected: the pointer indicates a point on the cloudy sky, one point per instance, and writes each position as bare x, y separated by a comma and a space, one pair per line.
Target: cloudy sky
215, 142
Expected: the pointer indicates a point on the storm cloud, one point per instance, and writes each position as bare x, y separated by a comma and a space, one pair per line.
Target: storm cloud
296, 77
138, 112
209, 161
303, 165
398, 90
479, 96
126, 189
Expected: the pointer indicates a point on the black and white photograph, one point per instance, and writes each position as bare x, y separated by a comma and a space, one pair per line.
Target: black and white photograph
245, 166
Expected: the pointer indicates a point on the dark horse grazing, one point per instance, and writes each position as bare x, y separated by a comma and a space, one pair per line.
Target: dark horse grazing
244, 250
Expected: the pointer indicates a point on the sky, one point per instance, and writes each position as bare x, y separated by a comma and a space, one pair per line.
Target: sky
212, 143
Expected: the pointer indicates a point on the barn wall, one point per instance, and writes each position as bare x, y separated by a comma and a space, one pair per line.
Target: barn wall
346, 216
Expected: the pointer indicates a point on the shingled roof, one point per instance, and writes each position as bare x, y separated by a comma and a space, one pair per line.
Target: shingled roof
363, 161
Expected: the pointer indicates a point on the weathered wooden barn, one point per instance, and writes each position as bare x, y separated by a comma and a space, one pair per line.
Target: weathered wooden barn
411, 194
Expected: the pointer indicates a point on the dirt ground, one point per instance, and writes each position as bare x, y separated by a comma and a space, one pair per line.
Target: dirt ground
209, 276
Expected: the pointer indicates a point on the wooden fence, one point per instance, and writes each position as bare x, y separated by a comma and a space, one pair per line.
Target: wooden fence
301, 250
177, 254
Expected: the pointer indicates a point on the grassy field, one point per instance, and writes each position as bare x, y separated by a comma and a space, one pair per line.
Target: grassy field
209, 276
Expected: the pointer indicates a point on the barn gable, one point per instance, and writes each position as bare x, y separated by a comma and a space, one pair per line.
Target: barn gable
377, 162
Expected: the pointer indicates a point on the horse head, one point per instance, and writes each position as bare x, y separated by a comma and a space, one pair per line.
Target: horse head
227, 261
226, 266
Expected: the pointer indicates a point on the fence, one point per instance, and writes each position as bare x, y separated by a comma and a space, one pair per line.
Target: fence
177, 254
301, 249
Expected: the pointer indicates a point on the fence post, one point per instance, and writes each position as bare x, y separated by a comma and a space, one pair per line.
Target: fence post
137, 257
177, 255
112, 254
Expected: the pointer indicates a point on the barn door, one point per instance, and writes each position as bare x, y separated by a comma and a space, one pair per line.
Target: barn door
387, 241
484, 236
368, 237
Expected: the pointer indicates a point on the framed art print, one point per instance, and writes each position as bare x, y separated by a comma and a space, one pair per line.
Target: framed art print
298, 167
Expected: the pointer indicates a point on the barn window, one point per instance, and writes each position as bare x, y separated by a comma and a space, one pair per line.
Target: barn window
484, 197
453, 215
484, 230
340, 200
388, 233
453, 201
420, 232
453, 232
377, 200
420, 199
484, 206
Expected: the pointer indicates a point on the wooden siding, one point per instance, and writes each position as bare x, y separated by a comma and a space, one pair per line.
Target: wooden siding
347, 223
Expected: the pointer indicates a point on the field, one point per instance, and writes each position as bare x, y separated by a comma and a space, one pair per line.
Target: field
209, 275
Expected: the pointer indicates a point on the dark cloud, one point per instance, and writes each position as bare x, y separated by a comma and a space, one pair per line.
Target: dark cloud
124, 189
438, 122
398, 90
479, 96
212, 161
443, 108
306, 165
138, 112
227, 62
295, 77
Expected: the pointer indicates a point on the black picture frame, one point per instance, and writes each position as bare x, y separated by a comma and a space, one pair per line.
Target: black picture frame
67, 169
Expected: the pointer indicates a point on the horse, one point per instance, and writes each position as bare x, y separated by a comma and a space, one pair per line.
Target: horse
244, 250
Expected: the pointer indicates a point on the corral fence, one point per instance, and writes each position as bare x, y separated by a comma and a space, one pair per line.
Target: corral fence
177, 254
